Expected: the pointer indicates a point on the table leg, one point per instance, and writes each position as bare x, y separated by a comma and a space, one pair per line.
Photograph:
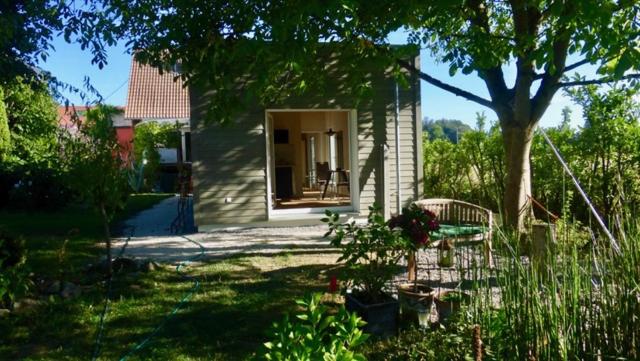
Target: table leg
326, 184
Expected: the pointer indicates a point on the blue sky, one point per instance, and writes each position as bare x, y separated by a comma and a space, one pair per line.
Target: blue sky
71, 64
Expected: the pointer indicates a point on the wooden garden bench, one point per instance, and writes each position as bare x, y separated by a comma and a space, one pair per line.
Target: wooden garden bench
461, 221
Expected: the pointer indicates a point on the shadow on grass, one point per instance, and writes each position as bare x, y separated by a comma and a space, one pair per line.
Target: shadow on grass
226, 319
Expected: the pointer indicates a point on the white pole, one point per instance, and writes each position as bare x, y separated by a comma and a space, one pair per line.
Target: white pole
397, 119
614, 244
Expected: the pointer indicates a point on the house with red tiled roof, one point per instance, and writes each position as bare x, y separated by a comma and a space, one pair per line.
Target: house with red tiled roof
156, 97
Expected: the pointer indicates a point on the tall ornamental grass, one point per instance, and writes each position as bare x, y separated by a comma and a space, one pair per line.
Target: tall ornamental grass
579, 302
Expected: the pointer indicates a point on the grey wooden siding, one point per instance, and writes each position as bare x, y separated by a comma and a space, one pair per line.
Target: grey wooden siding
229, 176
230, 161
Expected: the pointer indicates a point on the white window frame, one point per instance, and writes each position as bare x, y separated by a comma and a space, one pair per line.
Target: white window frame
354, 165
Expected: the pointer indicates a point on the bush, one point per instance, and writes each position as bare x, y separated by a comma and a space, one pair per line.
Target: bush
316, 335
32, 187
14, 281
371, 252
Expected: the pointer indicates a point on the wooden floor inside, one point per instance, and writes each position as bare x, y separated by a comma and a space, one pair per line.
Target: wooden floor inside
313, 199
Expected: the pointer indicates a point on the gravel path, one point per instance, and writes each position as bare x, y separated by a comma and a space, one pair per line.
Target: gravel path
151, 239
225, 243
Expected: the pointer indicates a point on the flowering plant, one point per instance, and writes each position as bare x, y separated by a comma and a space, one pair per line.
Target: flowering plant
416, 225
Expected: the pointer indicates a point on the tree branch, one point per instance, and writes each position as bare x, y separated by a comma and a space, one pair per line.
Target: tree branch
576, 65
604, 80
444, 86
494, 76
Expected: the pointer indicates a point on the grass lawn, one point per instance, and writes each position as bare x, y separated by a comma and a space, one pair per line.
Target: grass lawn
226, 319
76, 228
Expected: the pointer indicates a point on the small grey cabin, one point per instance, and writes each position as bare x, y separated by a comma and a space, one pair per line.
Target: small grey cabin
288, 162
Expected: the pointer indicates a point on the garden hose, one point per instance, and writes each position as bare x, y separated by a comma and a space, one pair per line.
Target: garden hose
185, 298
105, 310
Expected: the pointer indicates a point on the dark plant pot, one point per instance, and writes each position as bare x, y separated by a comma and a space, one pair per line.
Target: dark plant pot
447, 306
381, 318
415, 303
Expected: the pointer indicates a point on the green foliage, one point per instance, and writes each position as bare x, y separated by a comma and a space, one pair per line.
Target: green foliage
609, 148
550, 184
444, 343
32, 119
316, 334
96, 169
148, 137
370, 252
445, 169
604, 155
31, 171
473, 169
5, 136
14, 280
30, 26
34, 187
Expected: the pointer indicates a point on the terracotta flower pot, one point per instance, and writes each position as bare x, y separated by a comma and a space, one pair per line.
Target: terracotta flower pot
415, 303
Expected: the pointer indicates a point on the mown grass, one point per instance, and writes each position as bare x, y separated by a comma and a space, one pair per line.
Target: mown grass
226, 319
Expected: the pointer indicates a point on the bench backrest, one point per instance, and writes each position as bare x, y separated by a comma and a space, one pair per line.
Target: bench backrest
451, 211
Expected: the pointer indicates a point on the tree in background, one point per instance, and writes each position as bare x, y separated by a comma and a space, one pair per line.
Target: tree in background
31, 172
609, 146
484, 154
219, 42
149, 136
451, 129
551, 186
96, 169
32, 119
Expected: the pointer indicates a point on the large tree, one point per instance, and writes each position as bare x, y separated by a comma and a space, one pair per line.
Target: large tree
280, 43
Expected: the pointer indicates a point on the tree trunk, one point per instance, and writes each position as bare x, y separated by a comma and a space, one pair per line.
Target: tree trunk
107, 238
517, 146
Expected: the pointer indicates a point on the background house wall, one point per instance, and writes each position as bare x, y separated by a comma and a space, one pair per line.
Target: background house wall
229, 161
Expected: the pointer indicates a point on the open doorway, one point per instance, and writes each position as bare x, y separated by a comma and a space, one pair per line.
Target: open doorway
310, 159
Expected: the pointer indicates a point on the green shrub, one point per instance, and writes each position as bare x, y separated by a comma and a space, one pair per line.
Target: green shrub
14, 281
315, 334
371, 252
33, 187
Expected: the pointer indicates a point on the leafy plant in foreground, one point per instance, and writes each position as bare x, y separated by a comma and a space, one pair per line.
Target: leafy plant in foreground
370, 252
315, 334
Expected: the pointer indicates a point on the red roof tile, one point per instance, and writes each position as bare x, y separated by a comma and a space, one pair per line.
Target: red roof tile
155, 96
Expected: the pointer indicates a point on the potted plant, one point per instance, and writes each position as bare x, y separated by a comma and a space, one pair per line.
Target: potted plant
371, 253
415, 226
449, 302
